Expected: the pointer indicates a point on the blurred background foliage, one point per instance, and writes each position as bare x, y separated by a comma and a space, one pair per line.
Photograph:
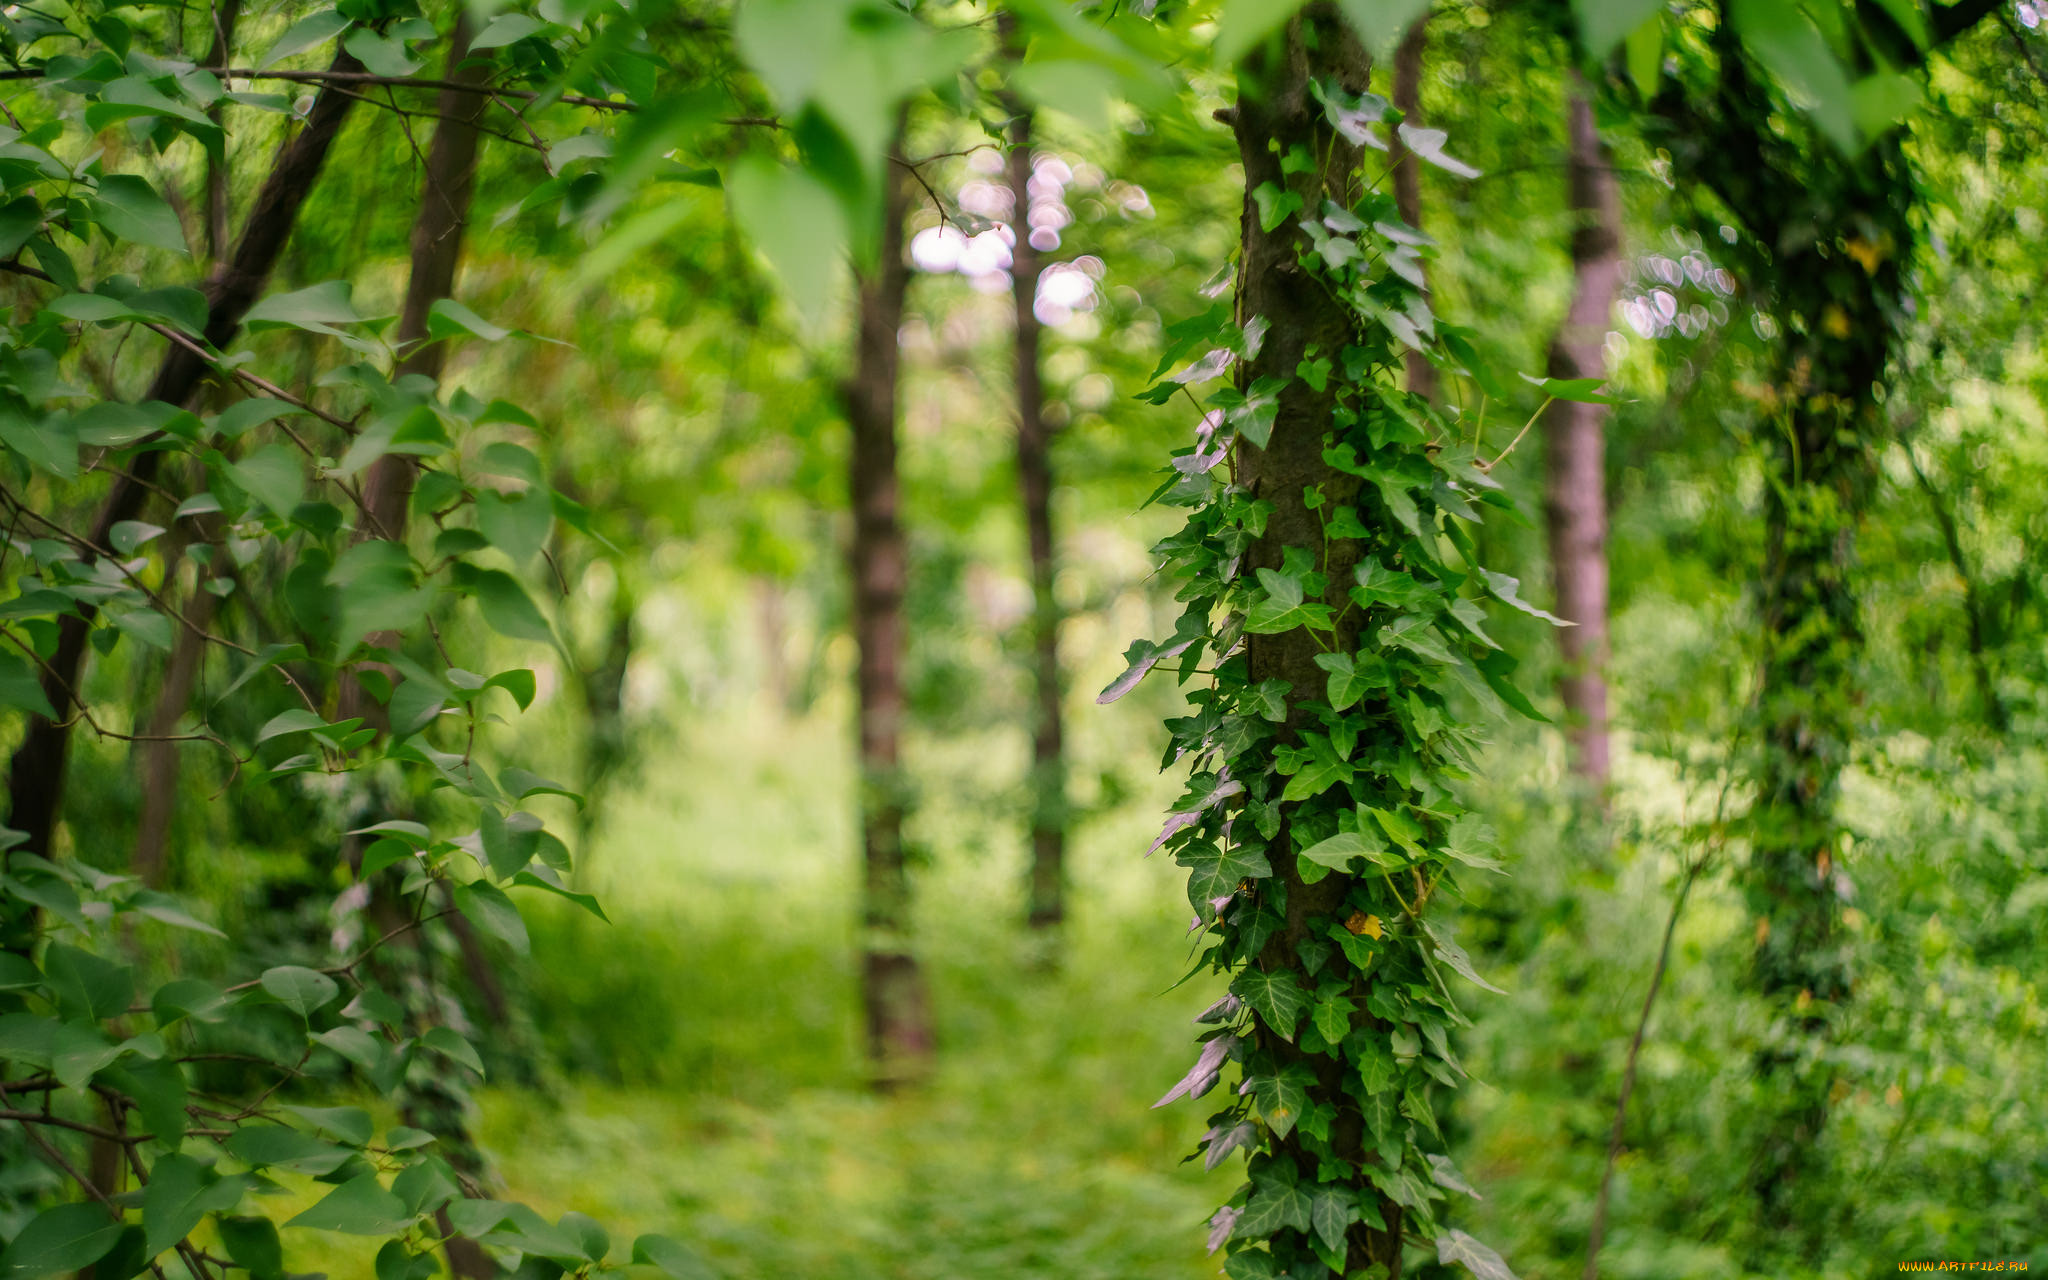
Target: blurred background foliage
695, 1065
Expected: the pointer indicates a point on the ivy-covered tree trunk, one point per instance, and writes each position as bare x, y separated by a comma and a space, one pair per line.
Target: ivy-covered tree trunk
893, 994
35, 780
1034, 477
1575, 456
1278, 119
1828, 235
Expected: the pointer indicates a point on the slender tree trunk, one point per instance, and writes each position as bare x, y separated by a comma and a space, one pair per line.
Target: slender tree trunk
1408, 172
35, 779
1034, 476
1575, 488
159, 757
1276, 114
892, 984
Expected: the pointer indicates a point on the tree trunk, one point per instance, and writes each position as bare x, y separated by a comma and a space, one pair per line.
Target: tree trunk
1829, 235
217, 185
35, 780
1575, 487
1275, 114
1407, 171
1034, 477
892, 984
160, 757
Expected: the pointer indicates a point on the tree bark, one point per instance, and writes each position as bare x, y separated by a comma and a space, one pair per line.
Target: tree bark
35, 780
1035, 481
892, 983
1575, 488
225, 17
1407, 172
1275, 114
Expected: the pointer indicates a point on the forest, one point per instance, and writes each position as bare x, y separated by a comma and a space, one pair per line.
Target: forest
1043, 639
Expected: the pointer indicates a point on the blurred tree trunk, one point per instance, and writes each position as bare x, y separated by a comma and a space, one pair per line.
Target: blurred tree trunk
1829, 236
893, 989
35, 776
157, 755
1575, 456
1274, 115
1034, 477
605, 747
225, 17
1408, 173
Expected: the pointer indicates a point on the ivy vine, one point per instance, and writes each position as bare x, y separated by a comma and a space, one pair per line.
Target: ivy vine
1338, 1014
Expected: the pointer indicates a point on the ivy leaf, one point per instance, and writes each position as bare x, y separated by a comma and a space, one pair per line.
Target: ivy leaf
1471, 842
1202, 1076
1223, 1139
1283, 607
1282, 1097
1428, 144
1223, 1223
1347, 684
1337, 852
1275, 203
1276, 997
1215, 873
1454, 955
1507, 590
1332, 1017
1142, 656
1456, 1246
1278, 1201
1446, 1175
1331, 1210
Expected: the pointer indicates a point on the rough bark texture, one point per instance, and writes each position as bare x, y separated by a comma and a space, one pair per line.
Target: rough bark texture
35, 780
1275, 113
892, 983
1407, 172
1575, 456
1034, 478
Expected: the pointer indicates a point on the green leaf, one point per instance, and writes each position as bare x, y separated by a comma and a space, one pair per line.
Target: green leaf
508, 609
189, 998
21, 688
253, 1244
1380, 24
360, 1206
299, 989
797, 224
1456, 1246
672, 1257
1337, 852
181, 1192
273, 476
1278, 1202
1347, 684
1786, 41
493, 912
1603, 23
317, 28
505, 29
296, 720
448, 318
316, 308
453, 1047
1277, 997
65, 1238
1454, 955
1332, 1210
1245, 23
350, 1124
87, 987
517, 524
130, 208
